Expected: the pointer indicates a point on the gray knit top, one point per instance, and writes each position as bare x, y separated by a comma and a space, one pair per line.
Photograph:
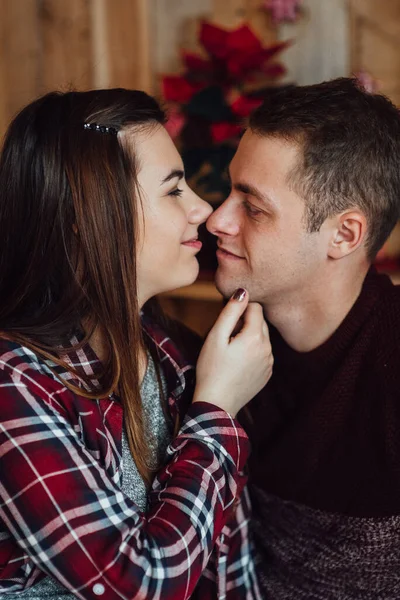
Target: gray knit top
132, 485
158, 435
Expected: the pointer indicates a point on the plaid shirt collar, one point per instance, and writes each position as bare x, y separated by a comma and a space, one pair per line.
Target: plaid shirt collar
179, 372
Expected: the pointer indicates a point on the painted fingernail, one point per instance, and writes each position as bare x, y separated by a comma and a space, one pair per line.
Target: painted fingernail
239, 295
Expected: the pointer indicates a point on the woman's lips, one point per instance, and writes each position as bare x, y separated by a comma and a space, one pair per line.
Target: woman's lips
193, 244
226, 255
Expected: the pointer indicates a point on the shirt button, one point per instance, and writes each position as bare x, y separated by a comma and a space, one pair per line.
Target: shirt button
98, 589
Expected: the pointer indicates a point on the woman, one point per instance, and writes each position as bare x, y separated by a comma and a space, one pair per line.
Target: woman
95, 396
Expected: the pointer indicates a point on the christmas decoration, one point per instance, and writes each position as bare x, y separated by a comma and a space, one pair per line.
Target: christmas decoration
283, 10
367, 81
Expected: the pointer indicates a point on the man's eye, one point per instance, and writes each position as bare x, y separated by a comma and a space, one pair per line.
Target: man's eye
175, 192
251, 210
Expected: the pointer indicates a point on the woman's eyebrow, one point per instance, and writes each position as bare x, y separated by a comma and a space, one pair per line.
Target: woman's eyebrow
179, 173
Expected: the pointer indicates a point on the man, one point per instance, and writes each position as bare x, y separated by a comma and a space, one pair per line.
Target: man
315, 194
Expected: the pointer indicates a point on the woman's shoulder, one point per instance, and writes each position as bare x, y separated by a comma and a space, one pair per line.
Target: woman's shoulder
28, 385
16, 358
25, 371
32, 385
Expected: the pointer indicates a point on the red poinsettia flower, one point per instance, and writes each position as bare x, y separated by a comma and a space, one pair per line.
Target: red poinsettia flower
238, 51
244, 105
214, 39
235, 58
224, 131
177, 88
195, 63
243, 40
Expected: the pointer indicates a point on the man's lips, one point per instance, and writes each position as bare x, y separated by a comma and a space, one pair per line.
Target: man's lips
224, 253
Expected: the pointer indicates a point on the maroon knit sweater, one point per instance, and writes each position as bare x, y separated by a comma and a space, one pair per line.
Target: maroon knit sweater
326, 428
325, 466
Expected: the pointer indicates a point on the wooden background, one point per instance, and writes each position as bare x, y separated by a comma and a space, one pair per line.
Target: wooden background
49, 44
60, 44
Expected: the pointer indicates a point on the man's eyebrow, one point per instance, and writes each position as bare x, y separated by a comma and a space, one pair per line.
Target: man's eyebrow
179, 173
251, 190
248, 188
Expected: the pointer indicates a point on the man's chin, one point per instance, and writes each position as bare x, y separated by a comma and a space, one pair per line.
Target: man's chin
225, 286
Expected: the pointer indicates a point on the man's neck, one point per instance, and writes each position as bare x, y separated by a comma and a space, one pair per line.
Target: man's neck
308, 320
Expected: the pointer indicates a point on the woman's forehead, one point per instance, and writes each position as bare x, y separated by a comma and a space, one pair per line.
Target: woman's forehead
156, 150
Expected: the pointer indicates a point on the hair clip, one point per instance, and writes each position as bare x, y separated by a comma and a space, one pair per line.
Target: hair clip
100, 128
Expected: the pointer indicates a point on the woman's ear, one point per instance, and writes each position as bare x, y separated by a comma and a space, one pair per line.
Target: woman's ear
348, 234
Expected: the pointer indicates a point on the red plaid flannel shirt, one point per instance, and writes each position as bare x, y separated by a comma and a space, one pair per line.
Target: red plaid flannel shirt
62, 512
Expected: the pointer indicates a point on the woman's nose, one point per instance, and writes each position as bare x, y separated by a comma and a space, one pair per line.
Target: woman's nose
201, 210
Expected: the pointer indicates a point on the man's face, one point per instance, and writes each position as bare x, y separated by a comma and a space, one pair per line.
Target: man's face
262, 237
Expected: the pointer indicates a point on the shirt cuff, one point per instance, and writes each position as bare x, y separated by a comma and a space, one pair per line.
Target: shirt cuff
219, 429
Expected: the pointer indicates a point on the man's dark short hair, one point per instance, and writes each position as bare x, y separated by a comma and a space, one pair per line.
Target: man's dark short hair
350, 141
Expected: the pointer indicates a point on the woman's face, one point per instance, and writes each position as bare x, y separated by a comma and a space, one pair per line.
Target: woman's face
167, 239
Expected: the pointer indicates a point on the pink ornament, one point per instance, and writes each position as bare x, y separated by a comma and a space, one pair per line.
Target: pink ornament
283, 10
367, 81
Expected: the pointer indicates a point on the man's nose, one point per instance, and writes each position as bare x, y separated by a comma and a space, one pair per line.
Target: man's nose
224, 220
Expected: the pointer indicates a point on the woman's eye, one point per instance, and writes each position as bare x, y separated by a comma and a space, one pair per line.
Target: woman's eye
175, 192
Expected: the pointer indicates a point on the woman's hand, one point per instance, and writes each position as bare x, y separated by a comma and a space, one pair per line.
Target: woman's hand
231, 368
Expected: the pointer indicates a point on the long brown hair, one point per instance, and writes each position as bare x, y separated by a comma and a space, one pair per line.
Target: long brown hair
68, 212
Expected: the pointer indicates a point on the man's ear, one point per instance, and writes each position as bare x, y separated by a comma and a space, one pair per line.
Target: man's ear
348, 234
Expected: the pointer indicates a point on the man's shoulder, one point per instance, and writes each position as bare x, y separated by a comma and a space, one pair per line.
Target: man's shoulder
381, 337
386, 317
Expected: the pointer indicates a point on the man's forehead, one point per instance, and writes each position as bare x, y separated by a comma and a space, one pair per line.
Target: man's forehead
257, 151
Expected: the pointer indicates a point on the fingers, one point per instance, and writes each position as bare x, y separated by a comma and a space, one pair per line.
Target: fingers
265, 329
254, 319
231, 313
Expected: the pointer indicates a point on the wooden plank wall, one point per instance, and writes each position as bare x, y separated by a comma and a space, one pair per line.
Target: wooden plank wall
80, 44
320, 36
374, 41
48, 44
63, 44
